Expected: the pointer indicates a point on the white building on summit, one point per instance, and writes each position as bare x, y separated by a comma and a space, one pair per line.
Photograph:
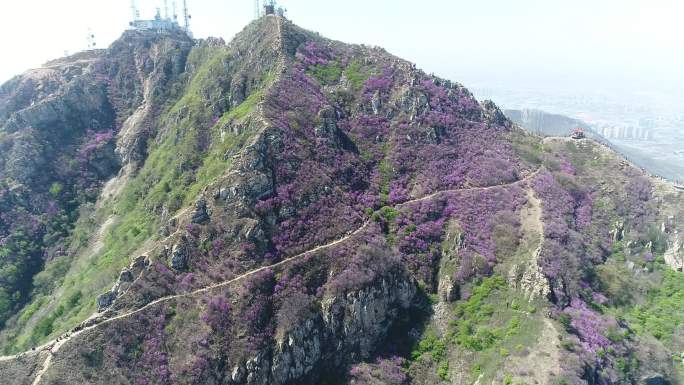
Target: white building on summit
157, 24
161, 24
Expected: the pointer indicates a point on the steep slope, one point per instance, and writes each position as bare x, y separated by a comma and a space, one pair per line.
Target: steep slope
289, 209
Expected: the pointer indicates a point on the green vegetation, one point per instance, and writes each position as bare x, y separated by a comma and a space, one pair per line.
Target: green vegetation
331, 73
386, 174
487, 327
356, 75
529, 148
649, 301
195, 148
327, 74
386, 214
435, 349
470, 326
661, 314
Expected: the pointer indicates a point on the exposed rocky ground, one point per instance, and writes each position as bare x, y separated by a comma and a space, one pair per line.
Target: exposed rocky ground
286, 209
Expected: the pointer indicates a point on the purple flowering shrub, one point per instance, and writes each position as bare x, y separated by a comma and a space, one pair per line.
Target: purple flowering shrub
316, 171
573, 244
142, 345
420, 226
255, 311
384, 371
154, 358
313, 53
589, 325
579, 212
638, 207
334, 156
354, 266
217, 314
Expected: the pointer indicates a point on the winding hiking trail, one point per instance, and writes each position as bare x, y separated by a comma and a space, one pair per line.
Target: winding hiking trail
53, 346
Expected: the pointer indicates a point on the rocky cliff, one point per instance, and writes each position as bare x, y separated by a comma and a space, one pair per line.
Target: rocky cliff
287, 209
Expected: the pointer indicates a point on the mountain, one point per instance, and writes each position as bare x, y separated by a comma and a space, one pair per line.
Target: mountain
287, 209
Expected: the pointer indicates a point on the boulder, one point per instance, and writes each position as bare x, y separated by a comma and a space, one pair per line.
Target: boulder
126, 276
200, 215
105, 300
179, 256
655, 379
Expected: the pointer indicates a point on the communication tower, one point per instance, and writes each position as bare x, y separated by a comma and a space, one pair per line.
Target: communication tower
161, 23
134, 11
186, 16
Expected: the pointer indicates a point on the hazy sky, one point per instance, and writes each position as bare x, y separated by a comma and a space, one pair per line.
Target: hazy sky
511, 42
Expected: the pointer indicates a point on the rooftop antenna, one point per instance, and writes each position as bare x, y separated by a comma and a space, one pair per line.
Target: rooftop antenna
186, 16
257, 9
173, 9
166, 9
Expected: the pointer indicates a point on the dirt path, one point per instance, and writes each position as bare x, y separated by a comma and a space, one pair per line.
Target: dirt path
526, 273
54, 346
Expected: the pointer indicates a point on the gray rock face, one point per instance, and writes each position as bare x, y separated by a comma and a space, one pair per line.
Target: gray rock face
126, 276
494, 115
179, 256
328, 130
655, 379
200, 215
346, 327
105, 300
376, 103
448, 289
298, 351
618, 231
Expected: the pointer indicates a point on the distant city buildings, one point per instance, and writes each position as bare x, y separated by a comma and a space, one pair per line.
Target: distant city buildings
613, 131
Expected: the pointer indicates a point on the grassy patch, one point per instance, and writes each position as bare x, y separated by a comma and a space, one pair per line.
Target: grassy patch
662, 314
528, 147
486, 328
356, 75
328, 74
331, 73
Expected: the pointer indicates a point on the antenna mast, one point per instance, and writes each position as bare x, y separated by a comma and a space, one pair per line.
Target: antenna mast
186, 16
166, 9
91, 40
257, 9
134, 11
173, 9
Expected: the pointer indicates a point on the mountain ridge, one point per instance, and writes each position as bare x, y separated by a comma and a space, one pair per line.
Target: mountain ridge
399, 192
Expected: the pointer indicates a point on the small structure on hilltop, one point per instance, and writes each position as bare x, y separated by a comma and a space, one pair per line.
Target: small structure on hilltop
270, 8
168, 23
578, 133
